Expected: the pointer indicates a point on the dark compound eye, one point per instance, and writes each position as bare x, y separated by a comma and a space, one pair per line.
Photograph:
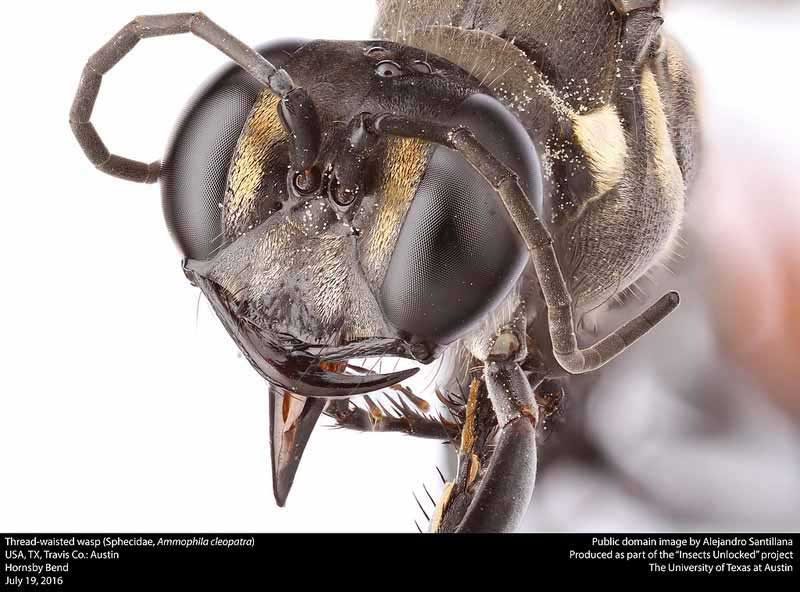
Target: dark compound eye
448, 270
195, 169
388, 69
422, 67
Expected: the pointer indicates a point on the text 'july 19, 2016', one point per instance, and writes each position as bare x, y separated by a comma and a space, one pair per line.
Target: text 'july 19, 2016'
51, 561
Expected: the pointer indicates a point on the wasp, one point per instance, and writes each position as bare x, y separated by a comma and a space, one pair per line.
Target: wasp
466, 185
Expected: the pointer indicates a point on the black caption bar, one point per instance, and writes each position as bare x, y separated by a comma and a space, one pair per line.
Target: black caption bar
84, 561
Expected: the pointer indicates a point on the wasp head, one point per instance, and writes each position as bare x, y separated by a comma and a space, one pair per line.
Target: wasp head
330, 241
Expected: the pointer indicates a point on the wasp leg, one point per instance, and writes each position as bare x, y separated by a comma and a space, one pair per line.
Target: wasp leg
405, 420
278, 81
494, 499
505, 491
499, 433
540, 246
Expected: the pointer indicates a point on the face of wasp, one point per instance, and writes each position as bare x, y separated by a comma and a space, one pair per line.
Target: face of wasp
383, 245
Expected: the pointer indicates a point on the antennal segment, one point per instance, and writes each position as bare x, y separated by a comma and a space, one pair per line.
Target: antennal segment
277, 80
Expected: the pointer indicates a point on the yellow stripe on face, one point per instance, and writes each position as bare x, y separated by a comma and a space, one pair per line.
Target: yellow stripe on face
255, 152
406, 159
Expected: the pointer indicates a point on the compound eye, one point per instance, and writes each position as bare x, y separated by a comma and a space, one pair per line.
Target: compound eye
195, 170
422, 67
388, 69
458, 253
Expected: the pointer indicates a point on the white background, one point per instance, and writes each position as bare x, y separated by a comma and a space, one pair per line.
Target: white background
121, 408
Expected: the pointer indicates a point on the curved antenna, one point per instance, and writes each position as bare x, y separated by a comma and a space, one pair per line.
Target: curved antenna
277, 80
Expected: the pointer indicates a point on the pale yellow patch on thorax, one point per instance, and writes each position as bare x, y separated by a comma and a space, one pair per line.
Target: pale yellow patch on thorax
602, 139
663, 154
